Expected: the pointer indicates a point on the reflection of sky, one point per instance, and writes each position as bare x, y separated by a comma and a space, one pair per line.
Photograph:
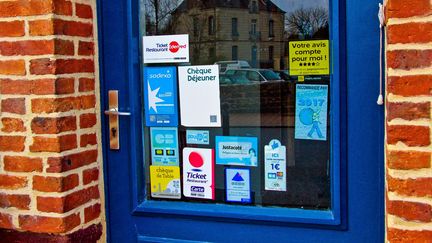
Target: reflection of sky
292, 5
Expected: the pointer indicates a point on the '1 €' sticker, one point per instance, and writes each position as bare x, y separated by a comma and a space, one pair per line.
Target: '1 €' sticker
275, 166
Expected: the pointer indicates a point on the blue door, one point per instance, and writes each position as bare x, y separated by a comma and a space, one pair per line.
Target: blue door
326, 182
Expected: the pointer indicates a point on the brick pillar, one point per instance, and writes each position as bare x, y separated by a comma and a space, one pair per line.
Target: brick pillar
50, 183
409, 96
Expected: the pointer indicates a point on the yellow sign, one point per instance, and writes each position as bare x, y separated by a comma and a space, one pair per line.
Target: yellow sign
309, 57
165, 182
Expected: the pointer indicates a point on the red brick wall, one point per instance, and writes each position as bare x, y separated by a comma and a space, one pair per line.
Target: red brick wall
409, 96
49, 157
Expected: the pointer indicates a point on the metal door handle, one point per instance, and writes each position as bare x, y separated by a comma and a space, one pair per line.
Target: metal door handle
116, 112
113, 117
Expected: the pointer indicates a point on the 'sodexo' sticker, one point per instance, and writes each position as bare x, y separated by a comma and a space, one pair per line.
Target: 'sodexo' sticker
160, 96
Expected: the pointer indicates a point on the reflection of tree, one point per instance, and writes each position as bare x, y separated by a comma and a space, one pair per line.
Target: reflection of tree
194, 23
158, 15
194, 20
308, 22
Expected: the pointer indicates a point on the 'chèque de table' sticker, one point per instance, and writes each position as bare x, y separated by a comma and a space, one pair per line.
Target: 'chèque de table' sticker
164, 146
275, 166
237, 185
311, 112
232, 150
165, 182
160, 96
198, 173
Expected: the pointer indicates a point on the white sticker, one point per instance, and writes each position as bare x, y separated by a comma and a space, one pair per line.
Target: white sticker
275, 166
166, 49
198, 173
199, 96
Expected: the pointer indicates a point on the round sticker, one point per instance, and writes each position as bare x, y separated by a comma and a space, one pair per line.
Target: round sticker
174, 46
196, 160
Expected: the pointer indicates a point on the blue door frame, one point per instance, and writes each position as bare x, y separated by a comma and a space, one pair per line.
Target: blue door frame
361, 164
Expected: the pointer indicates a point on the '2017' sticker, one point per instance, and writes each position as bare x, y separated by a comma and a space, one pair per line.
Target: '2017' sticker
311, 112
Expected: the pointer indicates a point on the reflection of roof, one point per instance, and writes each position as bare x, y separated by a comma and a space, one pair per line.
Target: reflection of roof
264, 5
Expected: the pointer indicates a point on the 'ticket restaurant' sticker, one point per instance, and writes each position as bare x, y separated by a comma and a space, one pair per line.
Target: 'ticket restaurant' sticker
166, 49
198, 173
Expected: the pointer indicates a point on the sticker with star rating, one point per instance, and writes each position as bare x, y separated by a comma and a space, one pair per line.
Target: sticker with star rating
309, 57
160, 96
275, 166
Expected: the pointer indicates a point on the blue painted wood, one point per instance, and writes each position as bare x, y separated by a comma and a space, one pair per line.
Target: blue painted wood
143, 238
357, 149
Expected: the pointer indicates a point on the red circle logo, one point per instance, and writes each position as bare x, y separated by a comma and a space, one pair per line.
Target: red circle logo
174, 46
196, 160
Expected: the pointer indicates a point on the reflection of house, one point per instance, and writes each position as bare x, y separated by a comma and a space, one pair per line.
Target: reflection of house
250, 30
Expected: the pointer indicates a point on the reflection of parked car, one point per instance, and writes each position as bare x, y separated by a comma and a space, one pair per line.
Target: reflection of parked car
284, 74
233, 79
224, 79
254, 75
224, 65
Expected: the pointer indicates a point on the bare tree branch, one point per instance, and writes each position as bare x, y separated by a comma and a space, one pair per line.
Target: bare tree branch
158, 12
307, 22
